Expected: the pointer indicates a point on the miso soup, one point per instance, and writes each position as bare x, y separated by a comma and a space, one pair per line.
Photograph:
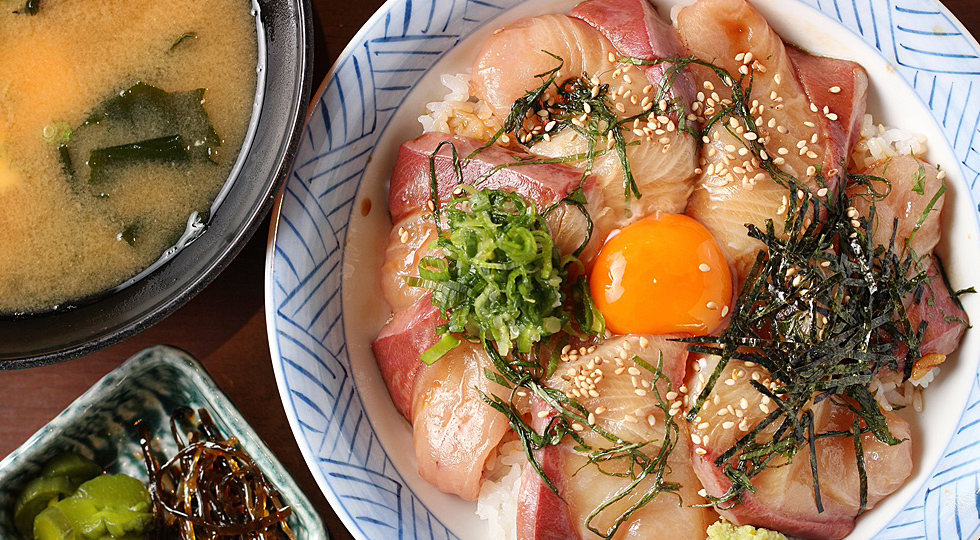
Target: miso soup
118, 121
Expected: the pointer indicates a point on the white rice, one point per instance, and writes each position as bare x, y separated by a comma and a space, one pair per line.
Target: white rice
892, 393
459, 113
497, 503
878, 142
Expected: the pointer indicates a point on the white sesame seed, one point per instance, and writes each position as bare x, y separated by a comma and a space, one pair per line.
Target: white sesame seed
701, 451
695, 438
704, 267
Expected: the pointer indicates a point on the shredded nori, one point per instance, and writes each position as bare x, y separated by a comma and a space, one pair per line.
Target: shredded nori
826, 335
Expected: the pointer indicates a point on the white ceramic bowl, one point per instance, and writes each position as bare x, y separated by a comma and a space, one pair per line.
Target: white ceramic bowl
324, 302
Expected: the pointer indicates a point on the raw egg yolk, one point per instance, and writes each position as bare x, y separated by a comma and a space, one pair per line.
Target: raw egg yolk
660, 275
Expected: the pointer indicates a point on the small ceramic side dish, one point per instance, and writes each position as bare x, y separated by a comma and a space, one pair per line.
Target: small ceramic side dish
148, 387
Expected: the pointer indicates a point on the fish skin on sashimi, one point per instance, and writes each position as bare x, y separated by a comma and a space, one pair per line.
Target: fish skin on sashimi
937, 305
541, 513
717, 31
402, 340
410, 187
784, 499
664, 178
842, 87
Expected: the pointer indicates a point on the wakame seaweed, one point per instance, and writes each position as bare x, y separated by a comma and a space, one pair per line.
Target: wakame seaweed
142, 124
171, 149
183, 37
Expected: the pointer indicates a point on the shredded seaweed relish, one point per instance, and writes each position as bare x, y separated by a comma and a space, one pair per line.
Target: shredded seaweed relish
210, 488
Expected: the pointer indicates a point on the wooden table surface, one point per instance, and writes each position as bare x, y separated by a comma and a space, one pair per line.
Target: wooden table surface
224, 325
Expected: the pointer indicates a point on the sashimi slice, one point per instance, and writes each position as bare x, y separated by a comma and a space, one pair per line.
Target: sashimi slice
543, 514
911, 185
783, 499
937, 305
914, 203
495, 167
455, 430
616, 389
839, 87
799, 136
408, 242
661, 157
411, 181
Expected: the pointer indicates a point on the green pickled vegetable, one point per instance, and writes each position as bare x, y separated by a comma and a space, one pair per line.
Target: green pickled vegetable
52, 524
77, 468
60, 477
38, 494
107, 507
